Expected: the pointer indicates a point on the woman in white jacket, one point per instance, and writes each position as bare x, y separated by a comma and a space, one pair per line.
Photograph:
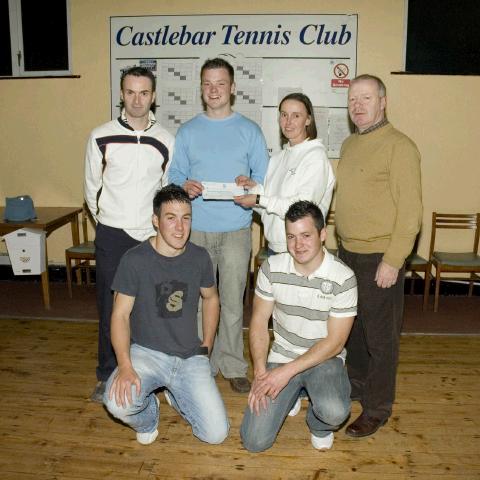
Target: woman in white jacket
300, 171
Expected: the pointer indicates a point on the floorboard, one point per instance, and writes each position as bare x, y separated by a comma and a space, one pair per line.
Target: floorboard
50, 430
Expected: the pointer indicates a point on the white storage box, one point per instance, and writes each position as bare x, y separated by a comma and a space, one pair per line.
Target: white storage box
26, 249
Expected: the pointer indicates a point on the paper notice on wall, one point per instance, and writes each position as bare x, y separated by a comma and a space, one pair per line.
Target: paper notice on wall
338, 130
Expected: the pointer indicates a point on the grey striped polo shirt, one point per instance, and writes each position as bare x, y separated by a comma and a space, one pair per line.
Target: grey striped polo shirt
304, 304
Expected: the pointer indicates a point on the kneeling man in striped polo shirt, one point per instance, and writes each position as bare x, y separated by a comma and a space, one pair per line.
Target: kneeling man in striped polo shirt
312, 296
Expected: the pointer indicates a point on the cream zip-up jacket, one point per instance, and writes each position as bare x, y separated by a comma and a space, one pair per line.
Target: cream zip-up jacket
299, 172
124, 169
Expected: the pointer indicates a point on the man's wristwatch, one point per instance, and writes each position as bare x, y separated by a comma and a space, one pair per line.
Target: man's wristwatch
257, 199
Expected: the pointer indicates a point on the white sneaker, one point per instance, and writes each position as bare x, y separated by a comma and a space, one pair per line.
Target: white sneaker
148, 437
322, 443
296, 408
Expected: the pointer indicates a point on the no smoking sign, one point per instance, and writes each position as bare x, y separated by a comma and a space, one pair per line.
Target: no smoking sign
340, 70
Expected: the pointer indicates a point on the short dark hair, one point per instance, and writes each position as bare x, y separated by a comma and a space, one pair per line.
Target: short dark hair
382, 89
139, 72
170, 193
300, 97
212, 63
304, 208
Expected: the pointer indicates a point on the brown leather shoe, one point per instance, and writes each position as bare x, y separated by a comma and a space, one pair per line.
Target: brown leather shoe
364, 426
240, 384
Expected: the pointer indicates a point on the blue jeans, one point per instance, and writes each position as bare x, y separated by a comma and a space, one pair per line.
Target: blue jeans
328, 389
192, 389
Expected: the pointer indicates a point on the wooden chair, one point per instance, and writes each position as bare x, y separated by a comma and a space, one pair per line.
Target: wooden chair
415, 263
256, 260
82, 254
331, 223
461, 262
260, 256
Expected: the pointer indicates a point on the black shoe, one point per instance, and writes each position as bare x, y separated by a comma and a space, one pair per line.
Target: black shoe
240, 384
98, 391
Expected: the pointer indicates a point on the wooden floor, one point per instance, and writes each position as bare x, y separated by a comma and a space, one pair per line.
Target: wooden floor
50, 430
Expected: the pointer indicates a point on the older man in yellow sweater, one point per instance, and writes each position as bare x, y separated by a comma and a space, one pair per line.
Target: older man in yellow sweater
378, 215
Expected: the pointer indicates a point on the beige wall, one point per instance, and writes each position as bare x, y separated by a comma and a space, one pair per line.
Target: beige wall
45, 122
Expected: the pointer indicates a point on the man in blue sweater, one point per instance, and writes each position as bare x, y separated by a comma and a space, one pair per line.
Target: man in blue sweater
218, 146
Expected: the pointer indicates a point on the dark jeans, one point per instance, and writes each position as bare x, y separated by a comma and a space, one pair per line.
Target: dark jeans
110, 244
372, 348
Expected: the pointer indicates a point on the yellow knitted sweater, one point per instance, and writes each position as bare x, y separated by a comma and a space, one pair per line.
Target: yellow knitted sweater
379, 194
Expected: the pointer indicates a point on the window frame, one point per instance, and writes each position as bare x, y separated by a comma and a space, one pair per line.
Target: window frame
17, 47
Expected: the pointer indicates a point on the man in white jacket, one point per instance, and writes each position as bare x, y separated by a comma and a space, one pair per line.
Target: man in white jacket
125, 161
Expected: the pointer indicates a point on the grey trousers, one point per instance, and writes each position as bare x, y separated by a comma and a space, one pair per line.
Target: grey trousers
230, 254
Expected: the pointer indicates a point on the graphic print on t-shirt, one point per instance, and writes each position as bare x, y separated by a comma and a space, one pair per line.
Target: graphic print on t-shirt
170, 298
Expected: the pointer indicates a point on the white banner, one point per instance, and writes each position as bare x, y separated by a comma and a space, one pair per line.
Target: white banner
272, 55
